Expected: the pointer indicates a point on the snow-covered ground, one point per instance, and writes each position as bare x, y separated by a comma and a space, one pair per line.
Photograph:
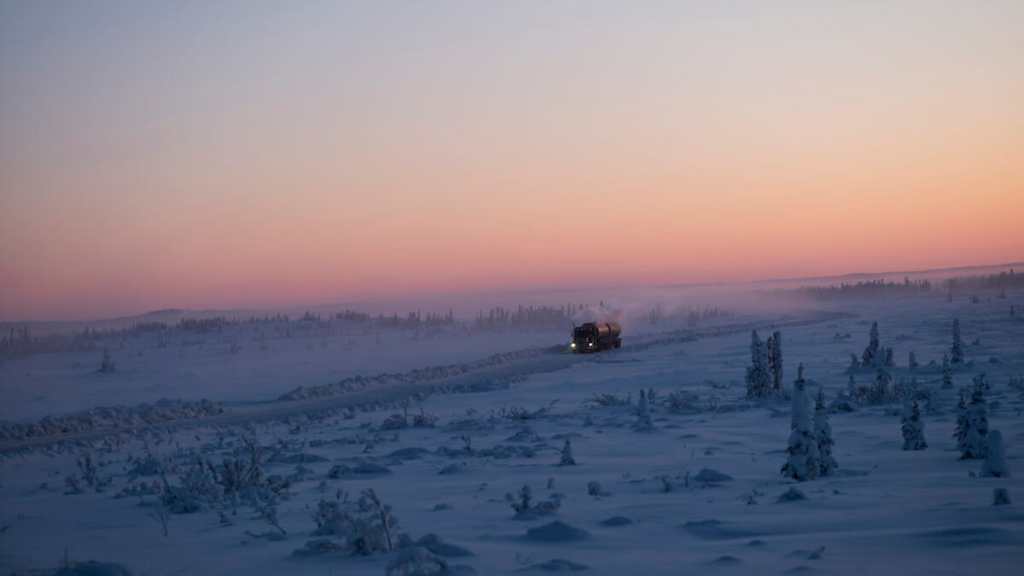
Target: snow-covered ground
699, 492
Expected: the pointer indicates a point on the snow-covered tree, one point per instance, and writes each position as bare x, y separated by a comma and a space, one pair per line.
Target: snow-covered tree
976, 441
823, 434
775, 360
758, 377
803, 461
956, 352
107, 365
962, 422
643, 414
567, 458
912, 361
870, 357
981, 381
851, 387
947, 373
881, 391
995, 460
889, 360
913, 427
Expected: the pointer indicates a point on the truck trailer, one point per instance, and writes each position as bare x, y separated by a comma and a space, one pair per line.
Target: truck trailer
595, 337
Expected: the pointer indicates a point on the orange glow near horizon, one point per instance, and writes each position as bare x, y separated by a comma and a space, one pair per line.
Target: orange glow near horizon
281, 161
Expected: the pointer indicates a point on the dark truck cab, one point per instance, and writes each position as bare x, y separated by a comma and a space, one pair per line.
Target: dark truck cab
595, 336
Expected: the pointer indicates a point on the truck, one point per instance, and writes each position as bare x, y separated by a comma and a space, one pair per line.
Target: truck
595, 337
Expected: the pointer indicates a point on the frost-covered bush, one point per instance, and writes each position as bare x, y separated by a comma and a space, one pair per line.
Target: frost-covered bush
595, 489
803, 462
526, 509
912, 427
88, 476
1000, 497
605, 400
364, 526
682, 402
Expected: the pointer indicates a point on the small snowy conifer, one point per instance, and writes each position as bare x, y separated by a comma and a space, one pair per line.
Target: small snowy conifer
803, 458
567, 458
913, 427
823, 434
956, 352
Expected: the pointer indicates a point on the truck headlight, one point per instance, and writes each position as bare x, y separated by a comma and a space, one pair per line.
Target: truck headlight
572, 344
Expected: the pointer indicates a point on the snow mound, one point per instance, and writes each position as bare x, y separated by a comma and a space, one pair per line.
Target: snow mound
792, 495
436, 545
726, 560
616, 521
92, 568
556, 565
556, 531
711, 476
715, 530
358, 469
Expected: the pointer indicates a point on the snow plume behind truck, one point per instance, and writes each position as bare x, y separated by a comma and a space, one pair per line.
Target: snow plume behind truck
596, 336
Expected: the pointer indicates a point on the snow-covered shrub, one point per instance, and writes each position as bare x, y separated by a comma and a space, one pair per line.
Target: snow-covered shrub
605, 400
197, 490
823, 434
88, 476
523, 505
682, 402
803, 462
521, 413
1000, 497
995, 458
595, 489
567, 458
364, 526
912, 427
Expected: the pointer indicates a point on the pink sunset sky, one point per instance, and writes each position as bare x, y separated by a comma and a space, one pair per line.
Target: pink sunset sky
247, 154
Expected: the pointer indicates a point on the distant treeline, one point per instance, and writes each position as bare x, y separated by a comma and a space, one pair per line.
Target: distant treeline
957, 285
866, 289
1001, 281
19, 341
693, 316
527, 317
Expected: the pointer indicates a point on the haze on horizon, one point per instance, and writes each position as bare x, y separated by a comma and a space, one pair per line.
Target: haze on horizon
244, 154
